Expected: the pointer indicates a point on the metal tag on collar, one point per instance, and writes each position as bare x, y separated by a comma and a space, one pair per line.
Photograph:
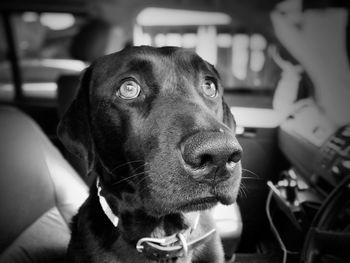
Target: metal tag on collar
162, 248
169, 240
166, 241
183, 243
174, 246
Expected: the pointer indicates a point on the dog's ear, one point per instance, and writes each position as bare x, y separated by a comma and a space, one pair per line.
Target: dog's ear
228, 118
74, 128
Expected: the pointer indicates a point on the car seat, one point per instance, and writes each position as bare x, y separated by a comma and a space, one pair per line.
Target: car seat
40, 192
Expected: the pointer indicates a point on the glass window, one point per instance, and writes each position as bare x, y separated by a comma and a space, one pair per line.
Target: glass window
241, 56
6, 90
43, 45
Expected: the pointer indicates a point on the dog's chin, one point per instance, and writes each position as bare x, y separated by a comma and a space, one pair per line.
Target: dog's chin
198, 204
207, 203
226, 199
225, 195
218, 195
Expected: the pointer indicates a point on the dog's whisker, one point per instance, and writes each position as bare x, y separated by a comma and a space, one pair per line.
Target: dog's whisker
124, 179
143, 187
251, 178
127, 178
242, 191
141, 180
138, 168
141, 166
125, 164
133, 175
251, 172
137, 183
140, 173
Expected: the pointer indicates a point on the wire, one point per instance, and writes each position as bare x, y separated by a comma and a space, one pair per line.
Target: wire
274, 230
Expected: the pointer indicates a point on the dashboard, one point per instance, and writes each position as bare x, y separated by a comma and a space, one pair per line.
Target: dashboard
317, 150
332, 163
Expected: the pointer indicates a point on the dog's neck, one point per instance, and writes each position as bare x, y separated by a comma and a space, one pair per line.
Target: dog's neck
133, 222
130, 224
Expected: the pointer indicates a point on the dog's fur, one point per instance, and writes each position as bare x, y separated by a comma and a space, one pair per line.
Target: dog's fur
133, 146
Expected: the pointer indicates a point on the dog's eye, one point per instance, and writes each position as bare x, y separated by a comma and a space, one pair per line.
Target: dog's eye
209, 88
129, 90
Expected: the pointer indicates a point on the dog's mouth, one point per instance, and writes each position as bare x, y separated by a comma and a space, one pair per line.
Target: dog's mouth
225, 194
199, 204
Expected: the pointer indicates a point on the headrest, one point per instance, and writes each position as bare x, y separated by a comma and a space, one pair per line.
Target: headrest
91, 41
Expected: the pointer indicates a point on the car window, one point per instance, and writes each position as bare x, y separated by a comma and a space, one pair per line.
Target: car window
45, 35
46, 41
240, 54
42, 44
6, 91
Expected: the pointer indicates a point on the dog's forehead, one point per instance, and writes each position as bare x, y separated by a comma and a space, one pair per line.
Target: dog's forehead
162, 62
165, 55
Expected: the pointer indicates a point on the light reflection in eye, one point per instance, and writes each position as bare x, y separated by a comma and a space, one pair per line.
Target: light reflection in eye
129, 90
209, 88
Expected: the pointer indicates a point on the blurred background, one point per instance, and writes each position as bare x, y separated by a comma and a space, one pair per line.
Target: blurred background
284, 65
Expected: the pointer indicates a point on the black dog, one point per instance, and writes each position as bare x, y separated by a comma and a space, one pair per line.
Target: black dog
151, 124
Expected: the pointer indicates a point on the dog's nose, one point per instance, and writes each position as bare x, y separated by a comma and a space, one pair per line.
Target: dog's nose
211, 156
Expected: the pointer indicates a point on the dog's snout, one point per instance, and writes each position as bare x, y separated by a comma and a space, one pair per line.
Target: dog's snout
211, 155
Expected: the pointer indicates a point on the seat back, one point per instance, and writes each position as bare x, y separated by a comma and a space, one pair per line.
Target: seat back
27, 192
35, 178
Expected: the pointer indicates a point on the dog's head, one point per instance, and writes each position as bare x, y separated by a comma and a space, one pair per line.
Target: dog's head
154, 119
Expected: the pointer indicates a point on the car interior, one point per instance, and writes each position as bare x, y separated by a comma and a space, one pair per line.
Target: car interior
284, 65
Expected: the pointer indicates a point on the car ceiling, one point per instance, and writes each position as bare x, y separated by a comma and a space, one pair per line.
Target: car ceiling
250, 13
193, 4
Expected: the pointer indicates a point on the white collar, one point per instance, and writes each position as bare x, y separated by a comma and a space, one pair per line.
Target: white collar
114, 219
165, 243
105, 207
